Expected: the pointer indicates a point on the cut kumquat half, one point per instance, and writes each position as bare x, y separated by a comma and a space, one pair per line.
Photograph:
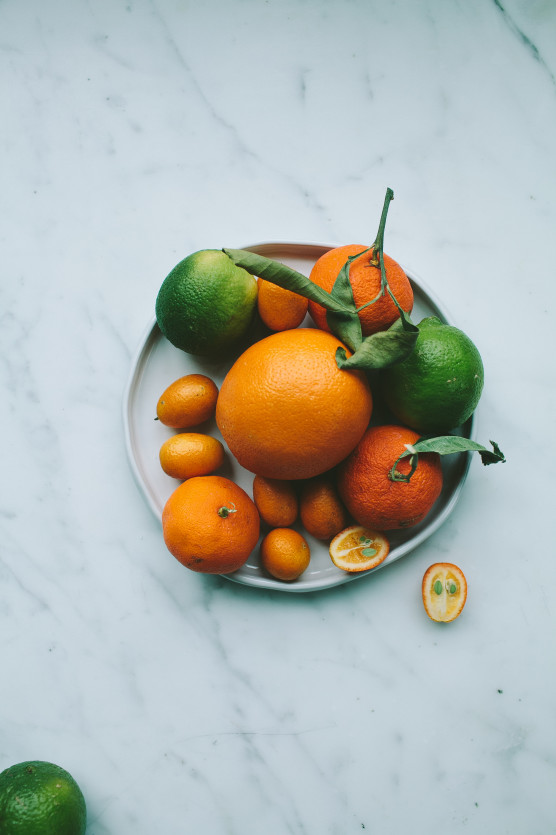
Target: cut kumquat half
358, 549
444, 591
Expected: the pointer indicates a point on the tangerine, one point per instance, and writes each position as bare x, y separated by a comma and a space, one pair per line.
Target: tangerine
365, 280
276, 501
210, 525
287, 411
190, 454
322, 512
188, 401
368, 491
280, 309
285, 554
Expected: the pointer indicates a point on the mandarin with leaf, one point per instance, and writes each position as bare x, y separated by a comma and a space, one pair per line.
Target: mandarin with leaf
372, 481
365, 281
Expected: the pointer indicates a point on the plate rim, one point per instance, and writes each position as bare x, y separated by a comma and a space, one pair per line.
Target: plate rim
149, 335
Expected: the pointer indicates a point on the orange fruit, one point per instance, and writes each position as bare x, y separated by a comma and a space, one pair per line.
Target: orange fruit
276, 501
365, 284
285, 554
322, 513
366, 487
210, 525
358, 548
280, 309
190, 454
287, 411
444, 591
187, 402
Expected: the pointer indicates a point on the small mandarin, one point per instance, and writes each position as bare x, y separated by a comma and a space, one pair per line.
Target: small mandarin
322, 512
191, 454
210, 525
276, 501
188, 401
444, 591
285, 554
280, 309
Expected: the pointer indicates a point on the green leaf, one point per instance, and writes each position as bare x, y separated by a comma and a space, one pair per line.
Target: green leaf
346, 326
447, 445
285, 277
381, 349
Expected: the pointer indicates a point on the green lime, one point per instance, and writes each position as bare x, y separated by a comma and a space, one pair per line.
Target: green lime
205, 306
437, 387
39, 798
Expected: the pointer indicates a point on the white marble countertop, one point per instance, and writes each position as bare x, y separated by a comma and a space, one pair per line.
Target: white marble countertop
135, 133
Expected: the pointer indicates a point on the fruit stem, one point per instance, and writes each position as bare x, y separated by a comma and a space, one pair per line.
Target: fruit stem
378, 246
394, 475
377, 257
225, 511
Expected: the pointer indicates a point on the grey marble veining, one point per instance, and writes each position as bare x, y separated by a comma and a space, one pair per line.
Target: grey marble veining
133, 134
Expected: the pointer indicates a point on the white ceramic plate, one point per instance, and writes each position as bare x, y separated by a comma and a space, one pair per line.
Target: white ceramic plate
157, 364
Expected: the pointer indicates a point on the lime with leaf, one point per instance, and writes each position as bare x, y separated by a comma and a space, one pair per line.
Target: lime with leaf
438, 386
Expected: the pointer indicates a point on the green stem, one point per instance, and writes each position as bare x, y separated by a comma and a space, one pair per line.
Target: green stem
395, 475
378, 246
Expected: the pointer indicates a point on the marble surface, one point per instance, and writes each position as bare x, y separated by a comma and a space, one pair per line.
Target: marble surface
134, 133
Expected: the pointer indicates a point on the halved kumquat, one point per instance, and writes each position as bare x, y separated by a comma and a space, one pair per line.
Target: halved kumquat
358, 549
444, 591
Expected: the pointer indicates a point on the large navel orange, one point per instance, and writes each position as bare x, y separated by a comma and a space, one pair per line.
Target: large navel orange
287, 411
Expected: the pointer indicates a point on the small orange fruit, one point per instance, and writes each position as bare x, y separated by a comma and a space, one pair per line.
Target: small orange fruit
210, 525
322, 512
368, 491
287, 411
190, 454
358, 548
276, 501
444, 591
188, 401
285, 554
280, 309
365, 283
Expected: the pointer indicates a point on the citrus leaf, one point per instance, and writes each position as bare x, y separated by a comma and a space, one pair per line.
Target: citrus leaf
346, 326
381, 349
447, 445
285, 277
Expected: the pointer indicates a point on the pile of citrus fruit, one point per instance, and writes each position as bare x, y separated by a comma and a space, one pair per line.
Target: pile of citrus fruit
296, 408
